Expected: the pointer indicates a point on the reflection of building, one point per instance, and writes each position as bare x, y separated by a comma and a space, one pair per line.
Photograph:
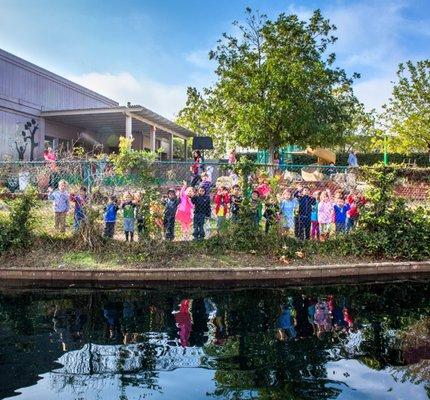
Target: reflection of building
160, 352
67, 112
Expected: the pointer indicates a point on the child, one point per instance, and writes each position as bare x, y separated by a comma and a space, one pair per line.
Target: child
315, 228
355, 201
128, 207
288, 208
170, 207
202, 210
184, 210
79, 200
206, 182
61, 204
140, 220
325, 214
222, 202
256, 207
235, 201
111, 211
305, 209
340, 213
271, 213
263, 187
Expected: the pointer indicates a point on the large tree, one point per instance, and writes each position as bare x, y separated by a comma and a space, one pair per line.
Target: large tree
407, 114
277, 85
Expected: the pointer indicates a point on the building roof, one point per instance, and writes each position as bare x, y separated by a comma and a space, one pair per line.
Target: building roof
11, 58
112, 119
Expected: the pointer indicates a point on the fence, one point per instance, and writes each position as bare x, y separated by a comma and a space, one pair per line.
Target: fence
269, 183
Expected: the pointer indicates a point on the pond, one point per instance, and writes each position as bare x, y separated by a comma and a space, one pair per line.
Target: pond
367, 341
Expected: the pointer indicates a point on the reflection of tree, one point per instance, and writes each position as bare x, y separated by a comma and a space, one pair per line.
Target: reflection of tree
250, 362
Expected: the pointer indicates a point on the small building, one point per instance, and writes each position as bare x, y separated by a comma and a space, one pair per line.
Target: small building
68, 114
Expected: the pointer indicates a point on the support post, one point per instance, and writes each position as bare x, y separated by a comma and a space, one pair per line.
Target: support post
128, 126
170, 155
185, 150
152, 131
385, 150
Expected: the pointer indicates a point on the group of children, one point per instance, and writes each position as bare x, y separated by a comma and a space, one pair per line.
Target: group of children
310, 316
296, 211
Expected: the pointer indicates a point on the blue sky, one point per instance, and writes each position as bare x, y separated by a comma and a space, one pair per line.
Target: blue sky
149, 51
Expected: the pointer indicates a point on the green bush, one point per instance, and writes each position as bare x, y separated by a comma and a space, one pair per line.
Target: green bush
16, 229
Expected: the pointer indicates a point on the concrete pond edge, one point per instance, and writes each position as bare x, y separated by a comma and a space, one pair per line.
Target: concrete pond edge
288, 274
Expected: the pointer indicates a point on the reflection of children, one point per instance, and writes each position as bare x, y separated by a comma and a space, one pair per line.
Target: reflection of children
111, 211
348, 318
288, 208
170, 207
286, 323
128, 207
184, 322
184, 210
322, 317
79, 213
61, 204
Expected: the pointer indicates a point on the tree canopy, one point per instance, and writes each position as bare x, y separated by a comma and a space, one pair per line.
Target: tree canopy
407, 114
277, 85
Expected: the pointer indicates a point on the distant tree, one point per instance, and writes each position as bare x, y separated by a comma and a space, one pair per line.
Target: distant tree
202, 115
407, 115
277, 85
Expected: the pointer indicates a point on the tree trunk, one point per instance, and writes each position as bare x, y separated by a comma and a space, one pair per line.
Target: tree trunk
271, 160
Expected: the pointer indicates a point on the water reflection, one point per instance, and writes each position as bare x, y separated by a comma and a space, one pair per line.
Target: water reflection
313, 343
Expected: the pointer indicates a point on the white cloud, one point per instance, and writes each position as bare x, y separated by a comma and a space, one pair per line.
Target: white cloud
373, 93
164, 99
200, 58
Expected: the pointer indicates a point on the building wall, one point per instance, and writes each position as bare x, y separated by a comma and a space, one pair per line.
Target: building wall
11, 125
26, 90
28, 84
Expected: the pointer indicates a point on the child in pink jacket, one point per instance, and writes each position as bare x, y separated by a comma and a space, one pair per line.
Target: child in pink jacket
185, 210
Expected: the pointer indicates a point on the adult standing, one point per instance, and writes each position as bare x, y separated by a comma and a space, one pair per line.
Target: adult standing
352, 159
51, 158
232, 158
196, 168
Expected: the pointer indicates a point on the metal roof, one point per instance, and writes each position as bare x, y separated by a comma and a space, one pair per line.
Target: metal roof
112, 119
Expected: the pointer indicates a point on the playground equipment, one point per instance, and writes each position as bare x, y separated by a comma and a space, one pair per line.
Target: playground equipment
312, 173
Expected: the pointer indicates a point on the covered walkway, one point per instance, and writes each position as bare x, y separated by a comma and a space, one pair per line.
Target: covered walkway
149, 130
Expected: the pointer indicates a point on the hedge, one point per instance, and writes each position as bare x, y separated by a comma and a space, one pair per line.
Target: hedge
421, 159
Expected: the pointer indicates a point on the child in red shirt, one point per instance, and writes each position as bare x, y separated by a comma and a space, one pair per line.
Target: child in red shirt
222, 202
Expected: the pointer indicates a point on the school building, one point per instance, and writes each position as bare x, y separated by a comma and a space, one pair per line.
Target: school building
69, 114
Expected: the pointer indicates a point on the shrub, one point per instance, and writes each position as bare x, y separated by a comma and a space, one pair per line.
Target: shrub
16, 229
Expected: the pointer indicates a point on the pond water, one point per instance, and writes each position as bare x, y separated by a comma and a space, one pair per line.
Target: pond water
367, 341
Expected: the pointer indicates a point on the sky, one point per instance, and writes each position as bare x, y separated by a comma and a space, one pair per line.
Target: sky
149, 51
